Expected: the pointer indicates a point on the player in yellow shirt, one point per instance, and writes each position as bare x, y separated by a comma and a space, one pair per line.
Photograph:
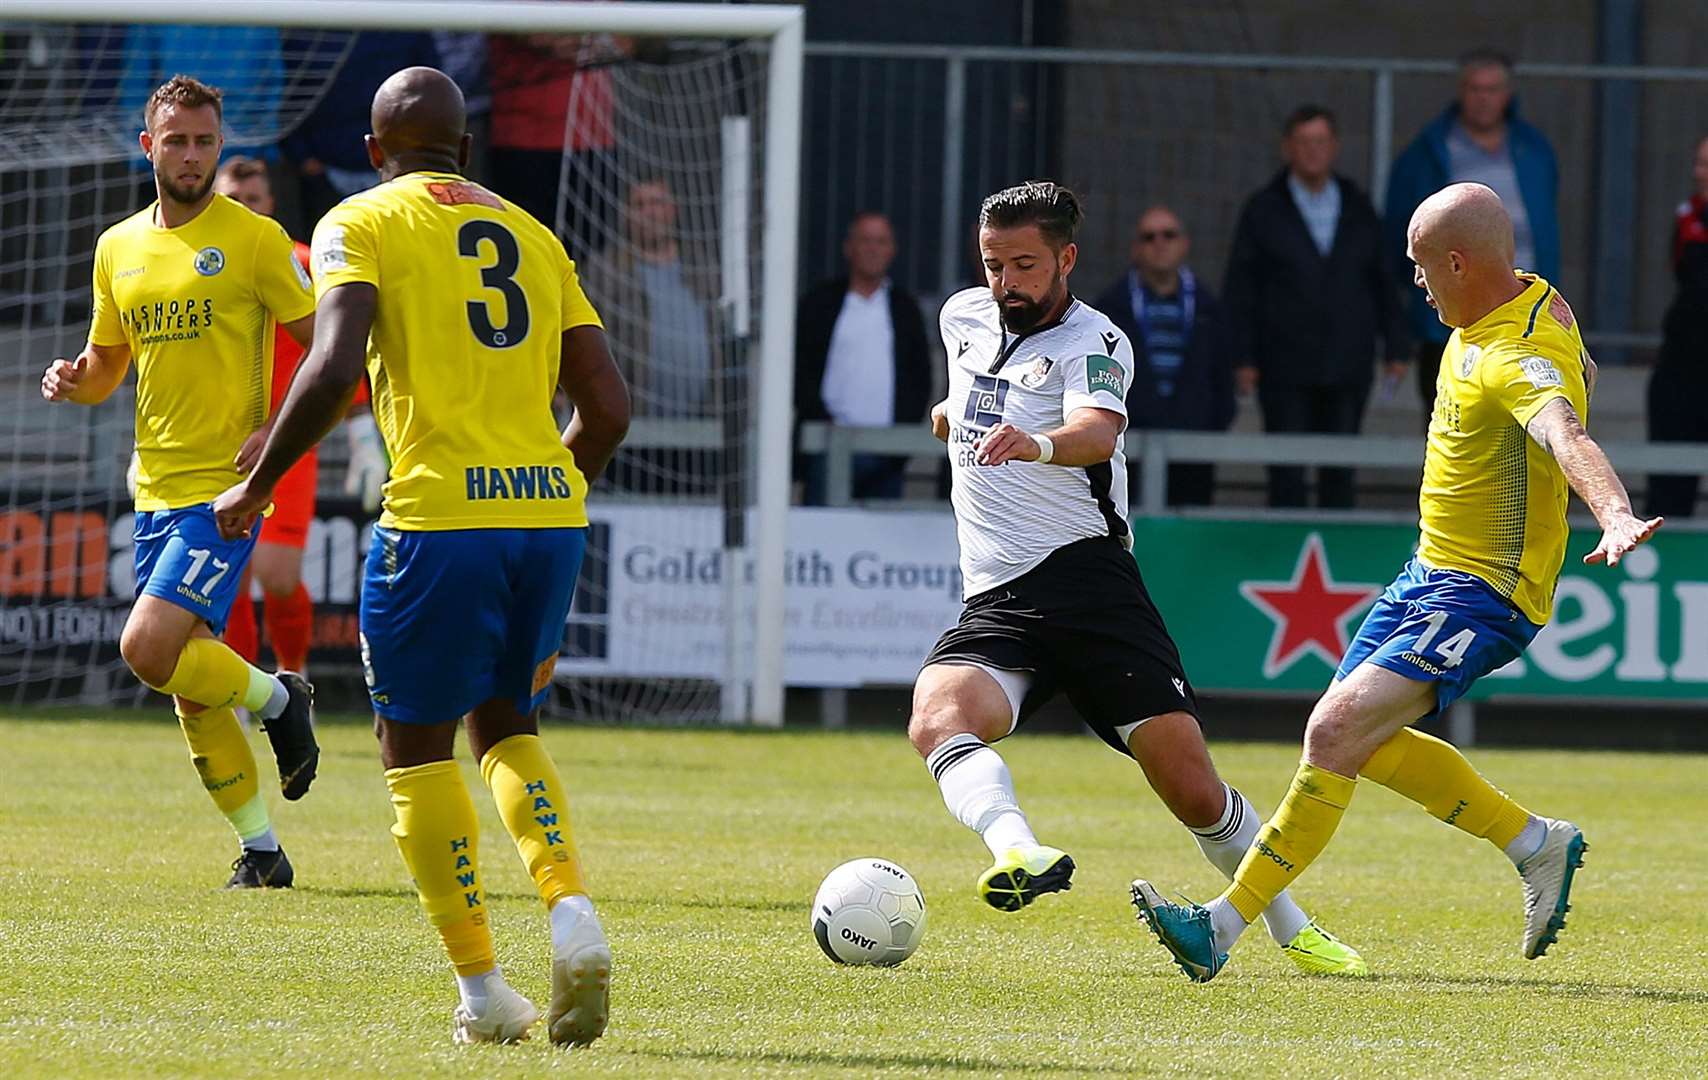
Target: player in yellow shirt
1506, 443
476, 318
190, 289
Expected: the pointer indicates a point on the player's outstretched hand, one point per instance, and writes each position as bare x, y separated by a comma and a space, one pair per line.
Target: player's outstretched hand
940, 421
62, 378
1005, 442
1621, 536
236, 509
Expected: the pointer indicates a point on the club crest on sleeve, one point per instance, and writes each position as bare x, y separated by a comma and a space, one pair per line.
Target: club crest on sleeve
209, 261
328, 252
1561, 311
1033, 377
1540, 372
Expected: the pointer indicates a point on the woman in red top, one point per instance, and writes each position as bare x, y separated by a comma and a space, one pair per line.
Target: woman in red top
1679, 386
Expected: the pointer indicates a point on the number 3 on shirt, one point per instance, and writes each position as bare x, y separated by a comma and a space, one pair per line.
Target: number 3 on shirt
500, 277
1453, 649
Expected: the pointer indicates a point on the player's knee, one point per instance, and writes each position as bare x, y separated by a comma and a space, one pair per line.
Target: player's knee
147, 659
937, 715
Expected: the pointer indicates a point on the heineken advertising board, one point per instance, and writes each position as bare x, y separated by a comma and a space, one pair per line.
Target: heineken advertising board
1258, 605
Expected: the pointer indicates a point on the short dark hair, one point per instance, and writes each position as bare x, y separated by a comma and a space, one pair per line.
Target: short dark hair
184, 91
1054, 209
862, 215
1306, 113
243, 168
1485, 56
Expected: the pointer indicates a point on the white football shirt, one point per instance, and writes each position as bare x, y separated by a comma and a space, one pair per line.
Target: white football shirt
1010, 517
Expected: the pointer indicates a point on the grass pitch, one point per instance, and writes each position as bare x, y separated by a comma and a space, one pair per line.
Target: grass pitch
119, 956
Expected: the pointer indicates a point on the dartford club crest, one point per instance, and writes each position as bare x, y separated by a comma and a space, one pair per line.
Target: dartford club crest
1468, 360
210, 261
1033, 377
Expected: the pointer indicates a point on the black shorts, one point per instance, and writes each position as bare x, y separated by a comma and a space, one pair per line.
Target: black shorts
1080, 623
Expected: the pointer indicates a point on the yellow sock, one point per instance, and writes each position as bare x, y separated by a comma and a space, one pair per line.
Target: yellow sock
1434, 774
535, 808
438, 837
210, 673
221, 754
1290, 840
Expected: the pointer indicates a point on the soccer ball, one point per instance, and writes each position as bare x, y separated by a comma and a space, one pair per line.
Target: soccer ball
868, 911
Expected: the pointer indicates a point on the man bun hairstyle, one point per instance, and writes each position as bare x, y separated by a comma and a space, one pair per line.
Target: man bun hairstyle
1054, 209
182, 91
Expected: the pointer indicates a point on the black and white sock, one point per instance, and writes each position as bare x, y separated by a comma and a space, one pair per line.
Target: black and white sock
1225, 842
979, 791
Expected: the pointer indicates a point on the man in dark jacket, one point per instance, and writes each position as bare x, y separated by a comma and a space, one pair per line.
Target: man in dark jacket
861, 358
1183, 370
1308, 292
1478, 138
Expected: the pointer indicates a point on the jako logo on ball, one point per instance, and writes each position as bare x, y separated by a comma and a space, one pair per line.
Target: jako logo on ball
868, 911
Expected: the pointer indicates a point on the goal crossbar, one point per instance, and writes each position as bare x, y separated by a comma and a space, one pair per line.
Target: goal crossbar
494, 16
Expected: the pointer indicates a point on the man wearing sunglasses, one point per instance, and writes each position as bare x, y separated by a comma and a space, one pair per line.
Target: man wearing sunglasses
1183, 377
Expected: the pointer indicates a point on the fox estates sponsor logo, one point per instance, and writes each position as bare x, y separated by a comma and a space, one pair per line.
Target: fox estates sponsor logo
1103, 373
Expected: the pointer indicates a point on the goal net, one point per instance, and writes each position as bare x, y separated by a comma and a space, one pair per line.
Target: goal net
674, 191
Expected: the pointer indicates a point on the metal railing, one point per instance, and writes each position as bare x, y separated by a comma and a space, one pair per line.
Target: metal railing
1153, 451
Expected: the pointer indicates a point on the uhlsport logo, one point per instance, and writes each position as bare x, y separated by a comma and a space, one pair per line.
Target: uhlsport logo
210, 261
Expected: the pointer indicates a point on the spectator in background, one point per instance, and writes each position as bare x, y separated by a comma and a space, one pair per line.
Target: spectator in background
327, 145
546, 88
1183, 368
1678, 389
246, 62
861, 358
462, 56
657, 299
1308, 292
1480, 139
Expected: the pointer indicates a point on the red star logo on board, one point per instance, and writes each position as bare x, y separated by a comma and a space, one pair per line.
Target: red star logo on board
1310, 612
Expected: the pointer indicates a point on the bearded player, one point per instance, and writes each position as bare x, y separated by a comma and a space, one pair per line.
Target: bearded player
191, 289
1054, 602
1506, 446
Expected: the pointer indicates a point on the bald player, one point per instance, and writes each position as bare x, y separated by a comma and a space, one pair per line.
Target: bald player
477, 318
1506, 441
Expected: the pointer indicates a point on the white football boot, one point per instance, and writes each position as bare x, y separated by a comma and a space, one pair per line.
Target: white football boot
505, 1019
581, 983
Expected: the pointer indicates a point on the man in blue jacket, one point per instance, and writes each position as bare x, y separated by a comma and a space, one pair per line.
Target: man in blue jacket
1480, 139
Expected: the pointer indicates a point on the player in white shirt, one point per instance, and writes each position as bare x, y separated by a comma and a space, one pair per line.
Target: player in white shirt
1054, 603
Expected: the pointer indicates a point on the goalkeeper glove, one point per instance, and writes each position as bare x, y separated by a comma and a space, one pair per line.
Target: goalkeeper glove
366, 474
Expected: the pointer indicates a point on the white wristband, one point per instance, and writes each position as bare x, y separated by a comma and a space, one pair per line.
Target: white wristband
1046, 448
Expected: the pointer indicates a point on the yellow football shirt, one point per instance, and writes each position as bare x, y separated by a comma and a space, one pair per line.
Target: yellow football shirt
1493, 502
474, 297
197, 305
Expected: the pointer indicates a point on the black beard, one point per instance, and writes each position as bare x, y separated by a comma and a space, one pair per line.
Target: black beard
187, 196
1024, 316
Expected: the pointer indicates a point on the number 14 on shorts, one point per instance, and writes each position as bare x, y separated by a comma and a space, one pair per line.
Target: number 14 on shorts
1452, 649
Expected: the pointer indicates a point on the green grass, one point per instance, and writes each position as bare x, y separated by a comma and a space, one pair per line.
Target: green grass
119, 956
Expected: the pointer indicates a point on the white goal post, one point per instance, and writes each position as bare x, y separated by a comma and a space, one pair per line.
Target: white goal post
752, 691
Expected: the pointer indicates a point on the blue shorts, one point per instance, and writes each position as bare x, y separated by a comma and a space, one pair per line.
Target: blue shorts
181, 558
453, 619
1442, 626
